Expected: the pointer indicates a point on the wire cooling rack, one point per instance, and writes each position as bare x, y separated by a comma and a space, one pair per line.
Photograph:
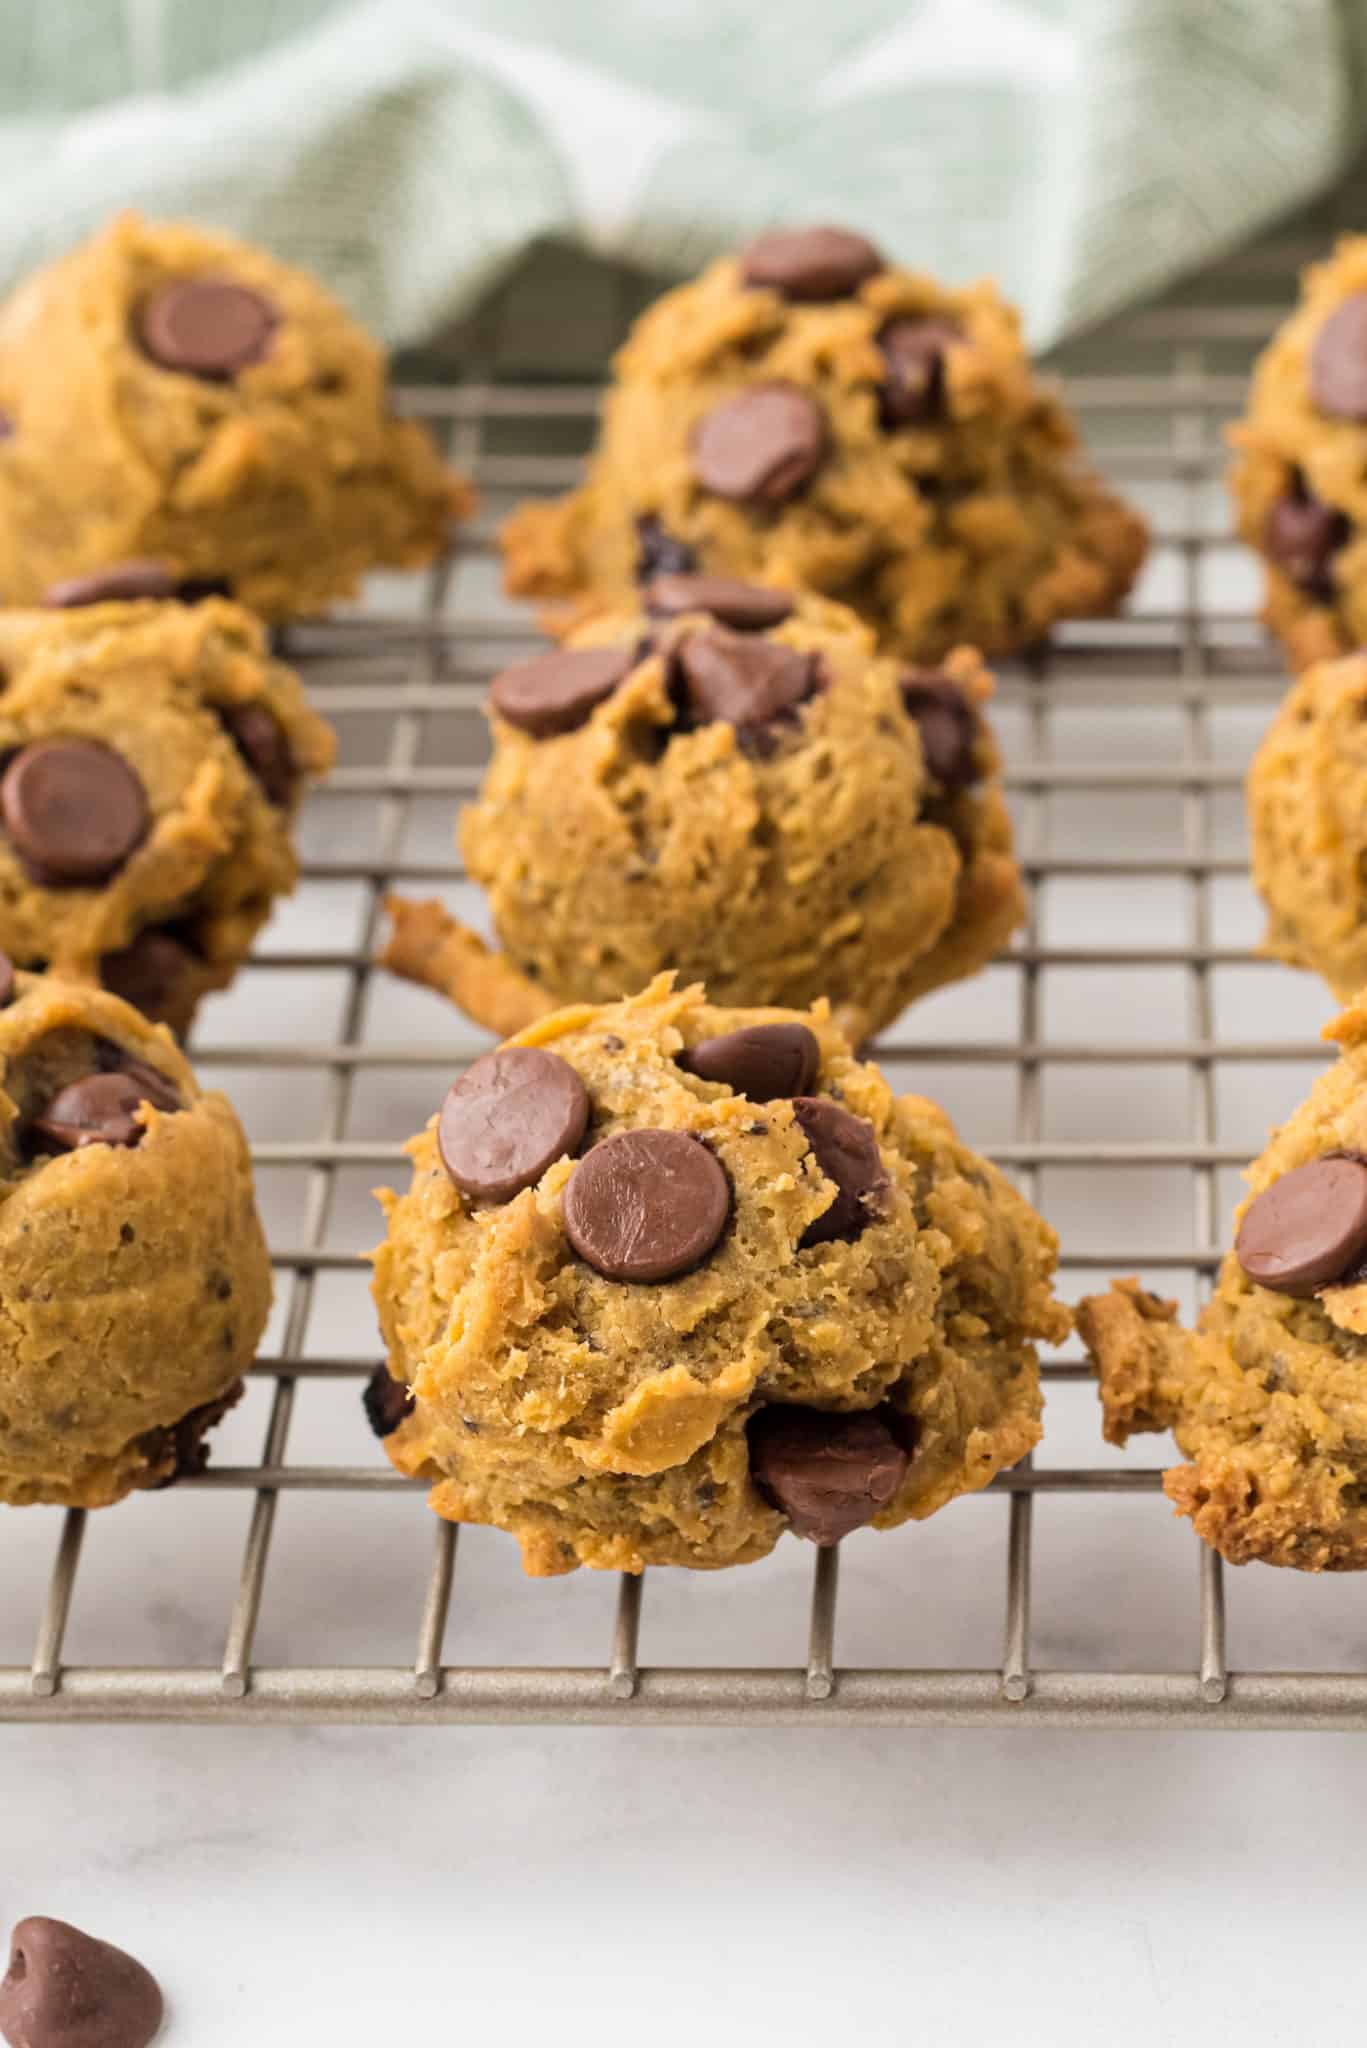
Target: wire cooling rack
1122, 1062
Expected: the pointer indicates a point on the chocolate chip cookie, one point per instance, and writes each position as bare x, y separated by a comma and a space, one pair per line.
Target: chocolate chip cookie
803, 407
1267, 1397
1299, 480
671, 1279
1307, 813
183, 406
133, 1274
151, 761
729, 783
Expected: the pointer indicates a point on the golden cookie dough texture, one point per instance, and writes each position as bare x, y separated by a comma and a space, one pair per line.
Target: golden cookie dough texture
978, 526
832, 865
1287, 449
134, 1281
154, 682
1307, 809
1267, 1397
287, 481
604, 1424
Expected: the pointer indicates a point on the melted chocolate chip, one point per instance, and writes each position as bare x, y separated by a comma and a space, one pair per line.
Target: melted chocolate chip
121, 582
74, 810
660, 552
554, 693
913, 348
510, 1117
760, 447
751, 684
947, 726
749, 607
100, 1109
828, 1474
1308, 1229
646, 1205
65, 1989
207, 327
260, 739
846, 1150
809, 264
386, 1402
764, 1062
1338, 361
1302, 536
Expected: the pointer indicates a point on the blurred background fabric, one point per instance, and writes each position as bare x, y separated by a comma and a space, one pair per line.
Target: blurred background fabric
1085, 152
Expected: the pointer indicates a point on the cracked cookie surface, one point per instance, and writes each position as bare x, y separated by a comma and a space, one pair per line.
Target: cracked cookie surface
842, 1329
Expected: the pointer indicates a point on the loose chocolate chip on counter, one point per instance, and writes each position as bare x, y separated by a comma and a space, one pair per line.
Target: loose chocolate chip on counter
747, 606
1302, 536
751, 684
74, 810
646, 1205
121, 582
1308, 1229
99, 1109
846, 1150
914, 351
809, 264
1338, 361
660, 552
828, 1474
150, 973
386, 1402
65, 1989
761, 446
207, 327
554, 693
949, 731
510, 1117
765, 1062
259, 738
7, 981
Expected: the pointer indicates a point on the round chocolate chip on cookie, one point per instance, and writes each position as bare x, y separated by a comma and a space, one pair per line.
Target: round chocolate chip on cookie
646, 1205
751, 684
99, 1109
829, 1474
762, 446
513, 1114
554, 693
1302, 536
74, 810
807, 264
258, 737
846, 1150
749, 607
764, 1062
949, 731
120, 583
914, 350
207, 327
1338, 361
1308, 1229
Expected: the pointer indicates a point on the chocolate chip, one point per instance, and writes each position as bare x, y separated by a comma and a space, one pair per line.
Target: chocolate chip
150, 973
751, 684
810, 263
660, 552
99, 1109
386, 1402
949, 731
187, 1438
646, 1205
7, 980
846, 1150
259, 738
761, 446
207, 327
121, 582
1302, 536
554, 693
747, 606
828, 1474
914, 351
510, 1117
765, 1062
65, 1989
1338, 361
74, 810
7, 427
1308, 1229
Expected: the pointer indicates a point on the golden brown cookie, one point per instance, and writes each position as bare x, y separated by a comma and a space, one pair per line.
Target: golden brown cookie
1267, 1397
766, 806
804, 408
671, 1278
1300, 477
153, 759
133, 1274
184, 402
1307, 813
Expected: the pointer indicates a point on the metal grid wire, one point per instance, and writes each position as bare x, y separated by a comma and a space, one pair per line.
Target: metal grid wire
1191, 668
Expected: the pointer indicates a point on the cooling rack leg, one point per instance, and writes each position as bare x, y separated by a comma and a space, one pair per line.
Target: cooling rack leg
1214, 1671
821, 1635
1016, 1651
432, 1628
247, 1606
47, 1650
624, 1670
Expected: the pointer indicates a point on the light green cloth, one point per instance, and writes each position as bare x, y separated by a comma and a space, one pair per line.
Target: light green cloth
1083, 151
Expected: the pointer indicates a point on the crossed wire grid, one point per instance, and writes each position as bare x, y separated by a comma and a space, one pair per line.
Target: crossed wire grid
1184, 655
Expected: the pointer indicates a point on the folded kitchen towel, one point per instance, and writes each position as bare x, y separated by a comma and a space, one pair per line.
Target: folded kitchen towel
1083, 151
